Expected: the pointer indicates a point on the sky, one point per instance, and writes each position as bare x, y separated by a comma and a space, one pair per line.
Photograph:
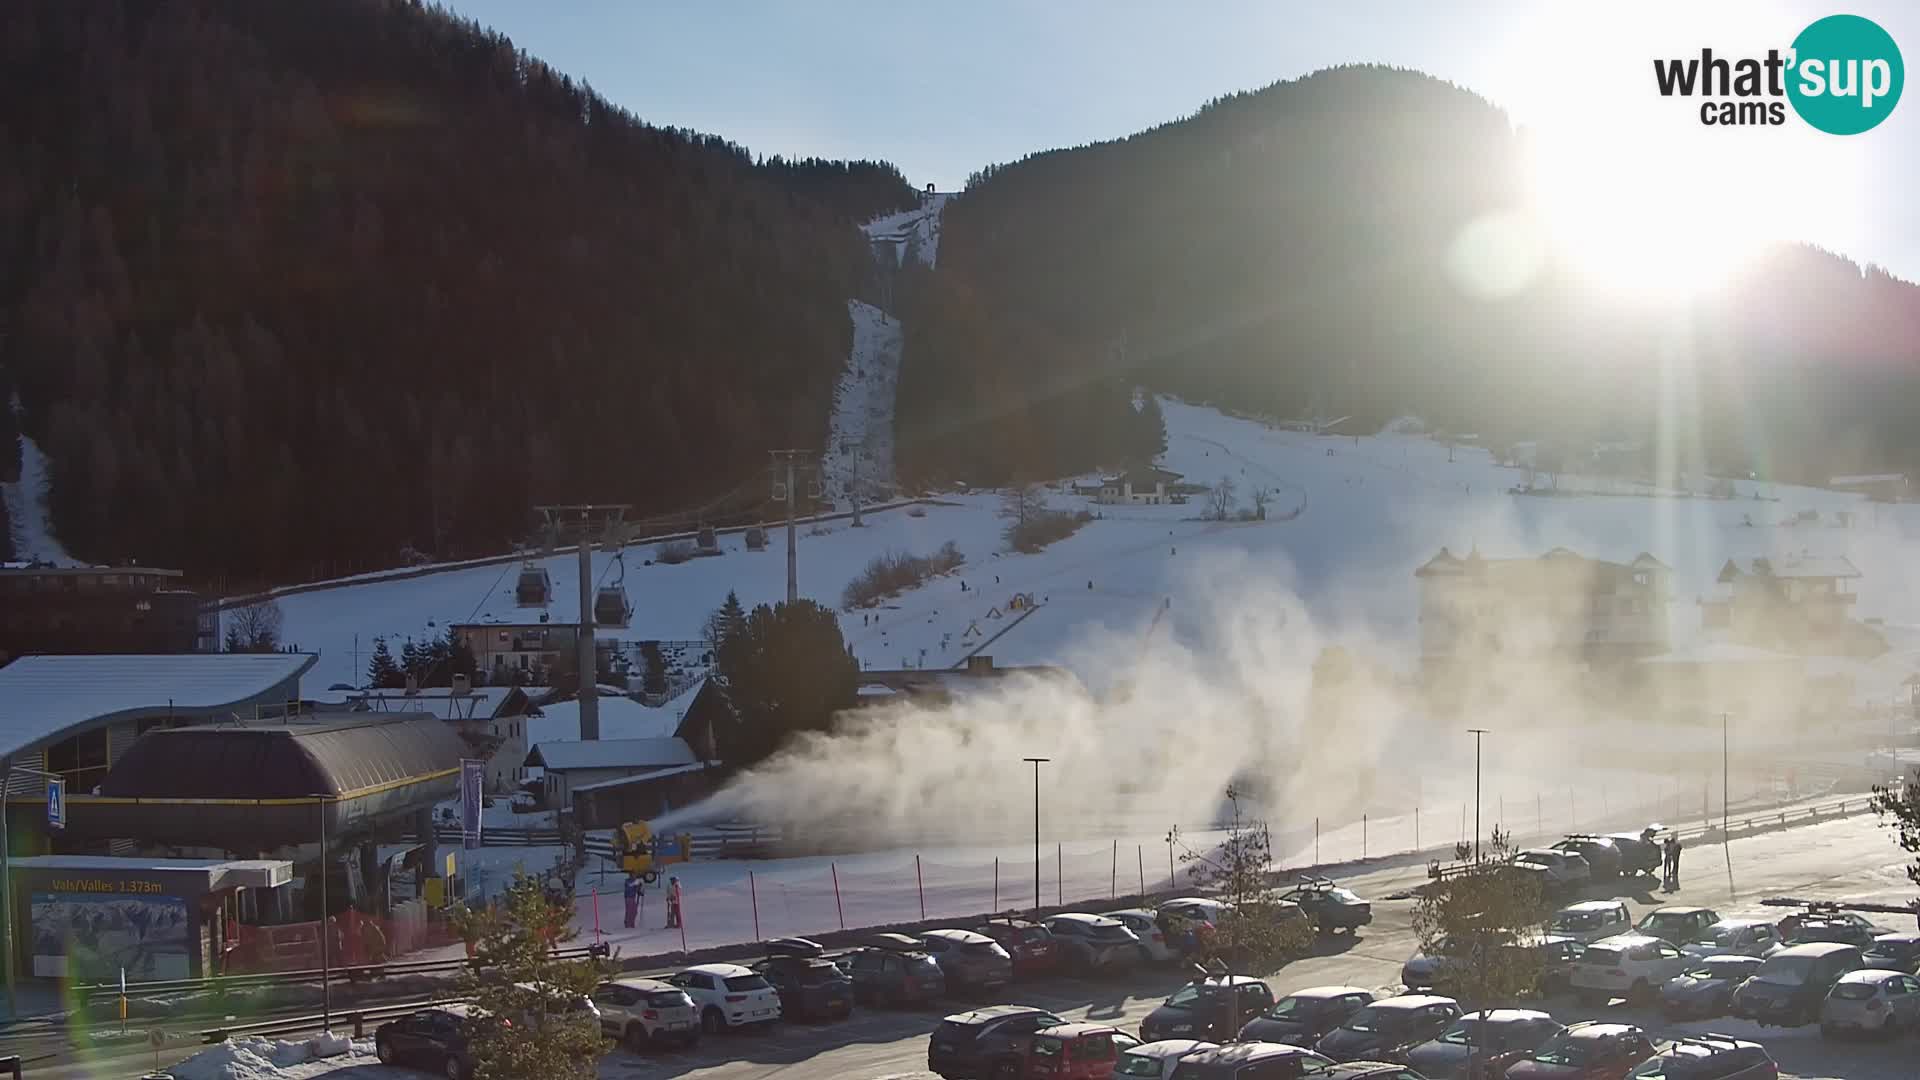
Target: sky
943, 90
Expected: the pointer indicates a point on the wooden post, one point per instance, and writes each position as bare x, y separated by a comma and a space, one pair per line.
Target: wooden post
841, 911
996, 883
753, 893
1113, 886
921, 884
1059, 876
1140, 856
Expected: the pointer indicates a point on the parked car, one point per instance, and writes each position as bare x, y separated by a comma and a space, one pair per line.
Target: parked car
728, 996
1589, 1051
1367, 1070
1705, 989
971, 962
1558, 957
1791, 984
1603, 857
1565, 871
1633, 966
1156, 1060
1426, 971
433, 1039
1027, 942
894, 972
1842, 931
579, 1008
1214, 1009
1388, 1028
1708, 1057
1747, 937
1189, 919
1090, 943
1252, 1061
970, 1045
1828, 913
1895, 952
1492, 1040
646, 1012
810, 985
1872, 1001
1154, 948
1591, 920
1304, 1016
1330, 907
1078, 1051
1678, 925
1639, 854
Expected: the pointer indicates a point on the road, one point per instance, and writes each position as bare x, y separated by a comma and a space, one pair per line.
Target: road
1851, 858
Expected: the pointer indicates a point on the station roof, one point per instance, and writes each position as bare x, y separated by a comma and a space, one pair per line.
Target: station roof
336, 758
219, 873
47, 697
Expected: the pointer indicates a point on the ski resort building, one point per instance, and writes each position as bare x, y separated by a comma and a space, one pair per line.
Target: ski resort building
100, 609
526, 651
577, 765
1138, 487
1475, 610
1799, 604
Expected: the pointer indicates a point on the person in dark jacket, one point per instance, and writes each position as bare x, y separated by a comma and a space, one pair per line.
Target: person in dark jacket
633, 898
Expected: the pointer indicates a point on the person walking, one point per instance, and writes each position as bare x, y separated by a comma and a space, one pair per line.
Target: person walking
1673, 862
673, 903
633, 888
373, 941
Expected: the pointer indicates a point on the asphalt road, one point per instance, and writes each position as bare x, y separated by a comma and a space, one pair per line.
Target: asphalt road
1846, 858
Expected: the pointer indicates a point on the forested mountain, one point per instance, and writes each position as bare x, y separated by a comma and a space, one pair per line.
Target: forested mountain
1298, 248
287, 287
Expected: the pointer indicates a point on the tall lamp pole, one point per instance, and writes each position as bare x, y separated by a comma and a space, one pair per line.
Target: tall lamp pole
1477, 733
6, 859
1726, 794
326, 928
1037, 762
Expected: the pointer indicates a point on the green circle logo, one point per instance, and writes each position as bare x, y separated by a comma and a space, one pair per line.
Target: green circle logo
1846, 75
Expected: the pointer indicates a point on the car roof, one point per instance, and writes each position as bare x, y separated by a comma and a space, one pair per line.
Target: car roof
1083, 917
1329, 991
1902, 938
1203, 901
1626, 940
1601, 1029
1246, 1052
1349, 1069
964, 937
723, 970
1075, 1029
1744, 922
1815, 948
1130, 912
1593, 905
1412, 1001
1507, 1016
1676, 909
638, 983
991, 1012
1166, 1048
1872, 975
1019, 921
1227, 980
1729, 959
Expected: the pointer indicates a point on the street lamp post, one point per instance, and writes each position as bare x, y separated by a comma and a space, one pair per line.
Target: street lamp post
6, 862
1037, 762
326, 928
1477, 733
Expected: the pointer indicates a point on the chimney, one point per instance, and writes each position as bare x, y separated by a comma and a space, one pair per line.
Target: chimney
413, 685
462, 686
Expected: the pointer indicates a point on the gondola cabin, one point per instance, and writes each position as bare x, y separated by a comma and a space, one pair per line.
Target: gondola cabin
535, 587
757, 541
611, 607
706, 539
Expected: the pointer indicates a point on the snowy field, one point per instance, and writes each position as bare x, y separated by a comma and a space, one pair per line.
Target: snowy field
26, 506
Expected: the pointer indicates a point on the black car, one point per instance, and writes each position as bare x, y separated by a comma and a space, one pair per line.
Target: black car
1601, 853
1489, 1041
433, 1039
1842, 931
1895, 952
1330, 907
1639, 854
894, 971
972, 1045
1304, 1016
1557, 956
1792, 983
810, 985
1388, 1028
1368, 1070
1705, 988
1210, 1010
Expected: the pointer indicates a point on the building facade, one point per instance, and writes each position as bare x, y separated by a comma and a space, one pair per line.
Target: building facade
1474, 610
1138, 487
100, 610
1800, 604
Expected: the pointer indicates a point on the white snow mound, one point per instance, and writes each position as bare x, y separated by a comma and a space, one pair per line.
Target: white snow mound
253, 1058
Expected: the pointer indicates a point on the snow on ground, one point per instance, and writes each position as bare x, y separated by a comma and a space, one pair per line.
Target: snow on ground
859, 453
26, 507
913, 234
620, 718
278, 1059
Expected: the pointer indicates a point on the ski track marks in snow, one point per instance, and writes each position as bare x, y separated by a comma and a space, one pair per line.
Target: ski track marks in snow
27, 510
914, 234
860, 435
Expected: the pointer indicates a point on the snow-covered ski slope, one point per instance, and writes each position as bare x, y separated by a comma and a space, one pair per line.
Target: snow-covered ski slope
859, 453
1370, 511
912, 234
33, 537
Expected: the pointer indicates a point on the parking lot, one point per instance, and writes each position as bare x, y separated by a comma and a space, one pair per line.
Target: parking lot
1851, 858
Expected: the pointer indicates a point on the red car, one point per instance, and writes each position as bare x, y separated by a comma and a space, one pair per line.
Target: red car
1080, 1051
1589, 1051
1031, 945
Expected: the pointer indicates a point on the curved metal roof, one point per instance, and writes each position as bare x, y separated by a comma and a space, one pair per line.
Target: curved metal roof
343, 759
47, 697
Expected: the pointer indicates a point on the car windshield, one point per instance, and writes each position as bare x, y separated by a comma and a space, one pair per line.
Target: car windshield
1598, 954
746, 982
1719, 934
1137, 1065
1047, 1046
1678, 1065
1563, 1049
669, 999
820, 975
1854, 991
981, 948
1293, 1008
1467, 1030
1666, 922
1786, 970
1577, 920
1726, 968
1372, 1019
1190, 995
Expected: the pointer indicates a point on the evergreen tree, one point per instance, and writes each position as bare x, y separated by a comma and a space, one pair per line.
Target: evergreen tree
382, 672
436, 661
1151, 426
653, 678
728, 618
460, 659
413, 663
786, 670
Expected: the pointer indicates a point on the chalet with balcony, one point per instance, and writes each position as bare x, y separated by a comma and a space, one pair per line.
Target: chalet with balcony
1136, 487
1800, 604
1475, 610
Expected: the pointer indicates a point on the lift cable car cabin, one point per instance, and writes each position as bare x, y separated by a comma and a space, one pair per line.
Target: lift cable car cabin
611, 607
535, 587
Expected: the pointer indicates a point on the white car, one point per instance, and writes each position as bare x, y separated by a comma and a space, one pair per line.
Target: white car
1631, 965
646, 1012
728, 996
1156, 1060
1745, 937
1591, 921
1153, 942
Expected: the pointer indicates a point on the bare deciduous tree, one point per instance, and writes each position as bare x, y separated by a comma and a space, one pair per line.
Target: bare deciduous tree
1220, 499
1261, 496
254, 627
1023, 501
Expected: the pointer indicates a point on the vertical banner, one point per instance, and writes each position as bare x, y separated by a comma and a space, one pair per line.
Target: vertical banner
473, 778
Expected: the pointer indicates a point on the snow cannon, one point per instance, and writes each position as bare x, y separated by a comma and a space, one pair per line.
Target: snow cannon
642, 854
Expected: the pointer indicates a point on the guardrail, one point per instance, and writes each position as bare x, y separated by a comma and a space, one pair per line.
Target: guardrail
294, 1025
102, 992
713, 842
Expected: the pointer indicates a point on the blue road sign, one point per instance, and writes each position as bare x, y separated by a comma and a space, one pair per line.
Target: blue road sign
56, 804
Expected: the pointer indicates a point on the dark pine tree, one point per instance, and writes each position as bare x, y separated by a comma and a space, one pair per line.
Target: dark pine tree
382, 672
787, 670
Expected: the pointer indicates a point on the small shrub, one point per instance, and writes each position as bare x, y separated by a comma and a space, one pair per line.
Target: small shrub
916, 510
673, 552
1039, 530
896, 571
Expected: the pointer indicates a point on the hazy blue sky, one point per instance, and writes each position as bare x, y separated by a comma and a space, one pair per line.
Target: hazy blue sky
941, 90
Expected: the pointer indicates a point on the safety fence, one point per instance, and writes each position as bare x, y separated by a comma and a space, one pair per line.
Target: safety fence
358, 939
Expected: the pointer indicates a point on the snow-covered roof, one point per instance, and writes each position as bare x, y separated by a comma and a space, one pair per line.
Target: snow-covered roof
479, 703
1869, 478
611, 754
650, 774
42, 697
620, 718
1794, 566
1720, 652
